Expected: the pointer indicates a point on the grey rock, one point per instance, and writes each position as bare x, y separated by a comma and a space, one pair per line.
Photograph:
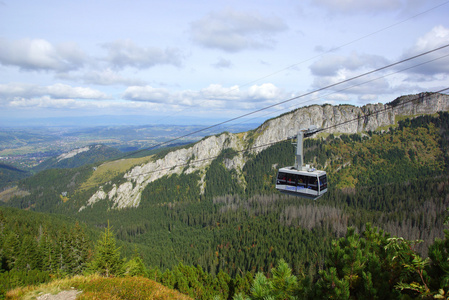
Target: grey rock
335, 119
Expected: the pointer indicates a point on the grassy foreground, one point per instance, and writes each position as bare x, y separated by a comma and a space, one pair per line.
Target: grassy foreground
97, 287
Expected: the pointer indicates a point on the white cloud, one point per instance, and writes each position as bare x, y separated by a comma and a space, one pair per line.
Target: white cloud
437, 37
335, 98
234, 31
147, 93
218, 92
266, 91
358, 6
366, 85
39, 54
335, 69
43, 102
330, 65
108, 77
222, 63
55, 91
409, 76
68, 106
214, 96
217, 96
124, 53
60, 91
368, 98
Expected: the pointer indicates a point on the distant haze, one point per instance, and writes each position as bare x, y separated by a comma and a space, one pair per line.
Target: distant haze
199, 62
91, 121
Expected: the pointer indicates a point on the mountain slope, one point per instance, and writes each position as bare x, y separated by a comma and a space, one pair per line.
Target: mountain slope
226, 214
10, 174
79, 157
197, 157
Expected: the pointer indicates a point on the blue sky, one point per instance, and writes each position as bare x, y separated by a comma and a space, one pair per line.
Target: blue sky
181, 60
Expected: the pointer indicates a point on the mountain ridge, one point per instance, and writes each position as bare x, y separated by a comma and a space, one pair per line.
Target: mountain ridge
197, 157
384, 178
80, 156
394, 178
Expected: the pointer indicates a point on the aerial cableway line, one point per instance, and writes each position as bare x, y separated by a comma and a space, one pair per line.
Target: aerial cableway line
192, 162
233, 153
290, 99
302, 180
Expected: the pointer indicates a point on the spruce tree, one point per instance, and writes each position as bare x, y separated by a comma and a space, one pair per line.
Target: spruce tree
135, 266
11, 248
62, 252
28, 258
107, 261
79, 250
46, 250
282, 285
2, 241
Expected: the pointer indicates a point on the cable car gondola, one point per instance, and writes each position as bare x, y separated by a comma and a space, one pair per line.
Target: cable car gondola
299, 180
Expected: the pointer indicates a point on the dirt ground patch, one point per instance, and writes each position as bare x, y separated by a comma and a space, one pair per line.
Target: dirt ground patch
64, 295
9, 193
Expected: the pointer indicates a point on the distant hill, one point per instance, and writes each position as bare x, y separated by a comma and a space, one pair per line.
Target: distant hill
229, 148
13, 138
213, 203
10, 174
79, 157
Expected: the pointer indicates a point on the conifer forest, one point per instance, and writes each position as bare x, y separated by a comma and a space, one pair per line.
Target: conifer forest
380, 232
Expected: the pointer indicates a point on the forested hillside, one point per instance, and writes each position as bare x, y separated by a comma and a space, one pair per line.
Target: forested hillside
10, 174
79, 157
378, 177
396, 180
36, 246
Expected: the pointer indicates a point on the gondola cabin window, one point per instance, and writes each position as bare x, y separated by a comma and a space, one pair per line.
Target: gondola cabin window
300, 180
309, 184
323, 182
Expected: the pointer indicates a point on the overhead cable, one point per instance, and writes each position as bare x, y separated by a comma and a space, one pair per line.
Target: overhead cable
333, 49
290, 99
386, 108
364, 82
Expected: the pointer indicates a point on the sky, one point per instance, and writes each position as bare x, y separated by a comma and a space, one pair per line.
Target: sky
186, 62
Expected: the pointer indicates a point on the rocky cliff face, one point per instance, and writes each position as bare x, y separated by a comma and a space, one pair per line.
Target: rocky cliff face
350, 119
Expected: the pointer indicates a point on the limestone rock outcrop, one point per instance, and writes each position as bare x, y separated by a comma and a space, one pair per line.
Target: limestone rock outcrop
335, 119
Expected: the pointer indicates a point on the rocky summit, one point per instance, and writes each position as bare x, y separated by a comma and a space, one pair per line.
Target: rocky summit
196, 157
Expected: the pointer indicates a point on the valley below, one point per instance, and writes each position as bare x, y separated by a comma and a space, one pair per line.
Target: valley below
27, 146
201, 215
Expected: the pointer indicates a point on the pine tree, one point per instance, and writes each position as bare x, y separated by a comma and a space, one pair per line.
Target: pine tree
2, 241
79, 250
283, 282
46, 250
222, 282
414, 278
62, 252
28, 258
360, 266
282, 285
107, 261
135, 266
11, 248
331, 286
261, 288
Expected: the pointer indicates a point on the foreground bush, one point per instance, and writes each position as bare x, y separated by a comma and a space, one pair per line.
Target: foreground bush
97, 287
